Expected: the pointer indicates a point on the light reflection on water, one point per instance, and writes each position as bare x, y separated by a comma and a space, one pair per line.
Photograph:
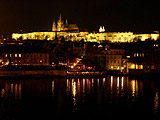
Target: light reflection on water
112, 94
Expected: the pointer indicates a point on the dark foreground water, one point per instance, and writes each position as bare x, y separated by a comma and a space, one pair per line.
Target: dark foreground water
107, 98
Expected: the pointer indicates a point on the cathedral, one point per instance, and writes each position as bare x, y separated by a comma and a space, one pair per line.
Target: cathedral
64, 27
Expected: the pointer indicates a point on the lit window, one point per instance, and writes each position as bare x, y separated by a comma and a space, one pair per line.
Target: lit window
137, 54
40, 61
10, 55
15, 55
118, 67
20, 55
5, 55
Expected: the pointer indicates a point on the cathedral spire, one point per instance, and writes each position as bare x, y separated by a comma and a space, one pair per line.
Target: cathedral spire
54, 27
60, 17
60, 25
66, 22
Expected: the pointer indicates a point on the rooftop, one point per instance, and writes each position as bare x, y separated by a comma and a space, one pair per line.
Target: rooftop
21, 49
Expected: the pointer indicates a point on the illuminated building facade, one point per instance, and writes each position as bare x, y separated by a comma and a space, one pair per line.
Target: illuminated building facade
68, 31
71, 32
114, 59
111, 36
22, 55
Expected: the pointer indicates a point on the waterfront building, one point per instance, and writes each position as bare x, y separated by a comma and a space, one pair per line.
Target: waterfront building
23, 55
79, 49
146, 57
114, 59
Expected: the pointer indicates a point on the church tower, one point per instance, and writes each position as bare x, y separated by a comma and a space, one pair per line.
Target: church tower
60, 26
101, 29
54, 27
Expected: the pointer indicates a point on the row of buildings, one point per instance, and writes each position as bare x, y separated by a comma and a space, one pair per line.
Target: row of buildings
122, 57
71, 32
23, 55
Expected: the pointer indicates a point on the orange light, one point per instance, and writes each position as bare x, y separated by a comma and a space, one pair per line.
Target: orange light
140, 66
132, 66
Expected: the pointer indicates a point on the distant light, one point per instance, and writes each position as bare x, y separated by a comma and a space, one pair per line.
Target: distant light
128, 56
100, 46
101, 29
118, 67
137, 54
15, 55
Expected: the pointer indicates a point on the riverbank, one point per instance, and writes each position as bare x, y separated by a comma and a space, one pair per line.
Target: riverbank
32, 73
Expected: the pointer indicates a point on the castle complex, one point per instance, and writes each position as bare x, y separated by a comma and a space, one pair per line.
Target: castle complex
71, 32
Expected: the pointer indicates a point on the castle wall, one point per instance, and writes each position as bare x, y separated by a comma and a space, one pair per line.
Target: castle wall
91, 37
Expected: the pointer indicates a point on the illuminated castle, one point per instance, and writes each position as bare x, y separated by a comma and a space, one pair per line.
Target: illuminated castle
71, 32
60, 26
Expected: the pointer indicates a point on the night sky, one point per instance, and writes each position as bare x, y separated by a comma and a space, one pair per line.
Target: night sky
115, 15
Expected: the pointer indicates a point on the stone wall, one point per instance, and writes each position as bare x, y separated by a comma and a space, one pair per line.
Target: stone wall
33, 73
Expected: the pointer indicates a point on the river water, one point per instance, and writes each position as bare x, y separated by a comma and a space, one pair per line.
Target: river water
111, 97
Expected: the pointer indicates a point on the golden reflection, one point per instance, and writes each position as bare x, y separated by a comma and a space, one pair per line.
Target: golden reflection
20, 89
98, 82
136, 88
117, 82
156, 101
111, 82
122, 83
2, 93
83, 83
12, 88
92, 83
52, 88
104, 80
79, 86
6, 89
68, 86
74, 88
16, 91
133, 86
88, 86
74, 92
117, 85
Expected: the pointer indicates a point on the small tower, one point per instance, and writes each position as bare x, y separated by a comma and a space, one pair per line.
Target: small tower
54, 27
101, 29
66, 22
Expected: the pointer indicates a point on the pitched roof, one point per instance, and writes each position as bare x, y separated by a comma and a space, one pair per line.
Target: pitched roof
21, 49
